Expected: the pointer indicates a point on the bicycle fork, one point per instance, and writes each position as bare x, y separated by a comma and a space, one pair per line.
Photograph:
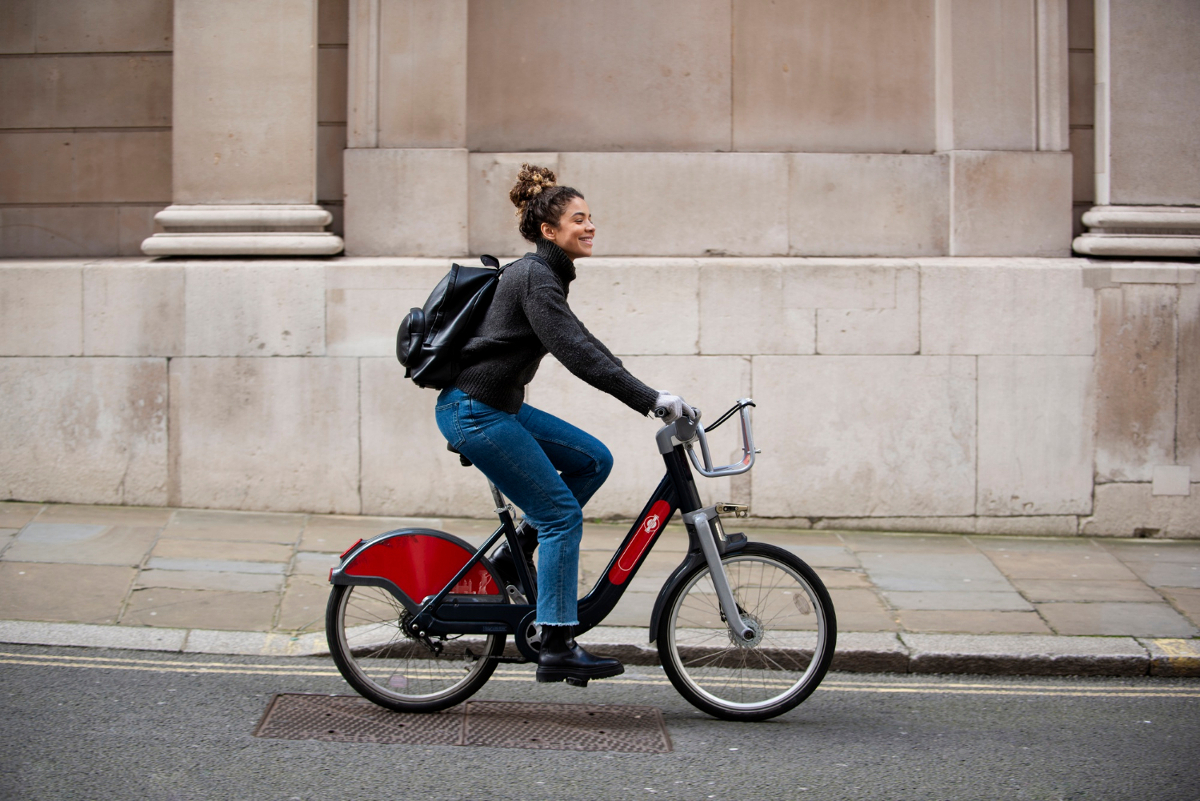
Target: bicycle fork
707, 524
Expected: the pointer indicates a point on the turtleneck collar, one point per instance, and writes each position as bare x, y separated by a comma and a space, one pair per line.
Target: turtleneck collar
557, 258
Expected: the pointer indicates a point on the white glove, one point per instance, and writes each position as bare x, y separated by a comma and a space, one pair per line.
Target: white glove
671, 407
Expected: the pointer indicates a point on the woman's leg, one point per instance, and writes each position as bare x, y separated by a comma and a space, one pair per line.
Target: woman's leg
515, 461
583, 461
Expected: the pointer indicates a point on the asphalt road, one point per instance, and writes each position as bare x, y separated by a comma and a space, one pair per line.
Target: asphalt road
92, 724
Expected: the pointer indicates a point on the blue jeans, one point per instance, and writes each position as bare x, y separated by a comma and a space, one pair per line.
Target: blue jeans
549, 469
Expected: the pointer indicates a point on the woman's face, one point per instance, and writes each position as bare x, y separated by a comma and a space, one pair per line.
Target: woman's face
574, 232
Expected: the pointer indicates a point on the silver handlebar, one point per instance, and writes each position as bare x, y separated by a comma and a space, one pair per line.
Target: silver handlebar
687, 432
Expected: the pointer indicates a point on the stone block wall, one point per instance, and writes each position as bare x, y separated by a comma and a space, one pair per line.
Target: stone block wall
86, 122
992, 395
861, 128
85, 125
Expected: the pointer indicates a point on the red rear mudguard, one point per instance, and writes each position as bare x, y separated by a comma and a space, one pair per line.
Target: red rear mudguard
414, 564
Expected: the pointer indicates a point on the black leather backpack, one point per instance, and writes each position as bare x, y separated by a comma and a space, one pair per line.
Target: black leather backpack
430, 338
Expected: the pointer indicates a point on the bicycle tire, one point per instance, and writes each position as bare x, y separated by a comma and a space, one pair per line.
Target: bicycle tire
781, 596
389, 667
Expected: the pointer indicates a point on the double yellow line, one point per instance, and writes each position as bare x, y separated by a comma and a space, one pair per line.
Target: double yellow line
919, 687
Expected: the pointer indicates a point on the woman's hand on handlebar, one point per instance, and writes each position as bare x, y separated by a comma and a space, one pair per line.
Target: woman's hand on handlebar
670, 408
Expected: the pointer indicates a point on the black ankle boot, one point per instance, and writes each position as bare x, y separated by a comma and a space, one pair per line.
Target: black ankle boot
561, 659
506, 566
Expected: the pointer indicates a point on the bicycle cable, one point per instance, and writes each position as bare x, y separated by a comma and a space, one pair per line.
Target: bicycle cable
730, 413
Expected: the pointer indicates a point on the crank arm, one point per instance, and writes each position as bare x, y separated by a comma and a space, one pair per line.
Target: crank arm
708, 543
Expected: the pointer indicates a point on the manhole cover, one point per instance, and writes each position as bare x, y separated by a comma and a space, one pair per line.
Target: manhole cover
351, 719
566, 727
494, 724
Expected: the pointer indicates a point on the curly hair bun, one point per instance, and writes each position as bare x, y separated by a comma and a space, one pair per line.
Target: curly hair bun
531, 180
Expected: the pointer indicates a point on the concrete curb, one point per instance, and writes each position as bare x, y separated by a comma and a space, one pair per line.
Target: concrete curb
857, 652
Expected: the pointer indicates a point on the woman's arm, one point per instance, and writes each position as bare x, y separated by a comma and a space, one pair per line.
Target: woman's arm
561, 332
599, 344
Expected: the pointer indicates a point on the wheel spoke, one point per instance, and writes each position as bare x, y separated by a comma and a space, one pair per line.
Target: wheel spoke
383, 662
779, 666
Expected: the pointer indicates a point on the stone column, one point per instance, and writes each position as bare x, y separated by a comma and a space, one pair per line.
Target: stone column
1001, 91
1147, 114
406, 157
244, 137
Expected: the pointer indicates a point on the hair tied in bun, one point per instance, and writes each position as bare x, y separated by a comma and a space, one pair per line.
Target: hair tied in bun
538, 199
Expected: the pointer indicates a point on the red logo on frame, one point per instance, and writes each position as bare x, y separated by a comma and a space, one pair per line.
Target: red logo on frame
651, 524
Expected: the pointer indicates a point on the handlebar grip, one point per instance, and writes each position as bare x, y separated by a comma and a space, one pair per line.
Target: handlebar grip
661, 412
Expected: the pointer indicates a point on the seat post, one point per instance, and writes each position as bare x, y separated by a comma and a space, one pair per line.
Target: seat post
496, 496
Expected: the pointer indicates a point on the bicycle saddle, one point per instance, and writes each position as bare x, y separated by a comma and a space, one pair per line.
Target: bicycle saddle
464, 461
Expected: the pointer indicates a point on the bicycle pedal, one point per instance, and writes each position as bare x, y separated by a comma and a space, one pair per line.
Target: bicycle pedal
576, 682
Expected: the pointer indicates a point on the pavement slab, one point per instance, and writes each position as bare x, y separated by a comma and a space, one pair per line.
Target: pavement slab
204, 524
185, 609
879, 542
1155, 620
13, 515
1186, 600
994, 544
210, 580
303, 606
1074, 590
66, 593
236, 551
316, 565
933, 572
1167, 574
1176, 551
1084, 565
81, 543
825, 555
634, 610
972, 621
861, 610
136, 516
955, 600
215, 565
336, 533
838, 578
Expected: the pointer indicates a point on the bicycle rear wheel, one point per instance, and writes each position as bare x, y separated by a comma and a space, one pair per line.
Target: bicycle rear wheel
392, 667
789, 608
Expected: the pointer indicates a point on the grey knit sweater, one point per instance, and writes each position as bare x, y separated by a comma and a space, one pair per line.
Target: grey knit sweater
528, 318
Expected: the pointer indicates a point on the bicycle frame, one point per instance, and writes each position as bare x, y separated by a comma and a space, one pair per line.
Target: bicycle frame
466, 602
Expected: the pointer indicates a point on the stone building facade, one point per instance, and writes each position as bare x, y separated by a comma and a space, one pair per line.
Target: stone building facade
949, 246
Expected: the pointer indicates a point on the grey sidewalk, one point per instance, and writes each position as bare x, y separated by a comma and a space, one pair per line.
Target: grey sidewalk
242, 582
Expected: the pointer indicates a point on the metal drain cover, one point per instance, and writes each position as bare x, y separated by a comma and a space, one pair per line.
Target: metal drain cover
491, 724
352, 719
566, 727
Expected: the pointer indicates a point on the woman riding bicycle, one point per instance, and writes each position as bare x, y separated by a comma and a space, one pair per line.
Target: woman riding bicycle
544, 465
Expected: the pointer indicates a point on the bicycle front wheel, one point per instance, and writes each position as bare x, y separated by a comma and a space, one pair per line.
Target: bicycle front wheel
788, 607
392, 667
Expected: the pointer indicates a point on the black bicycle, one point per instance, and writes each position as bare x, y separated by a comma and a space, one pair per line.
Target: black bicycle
418, 619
